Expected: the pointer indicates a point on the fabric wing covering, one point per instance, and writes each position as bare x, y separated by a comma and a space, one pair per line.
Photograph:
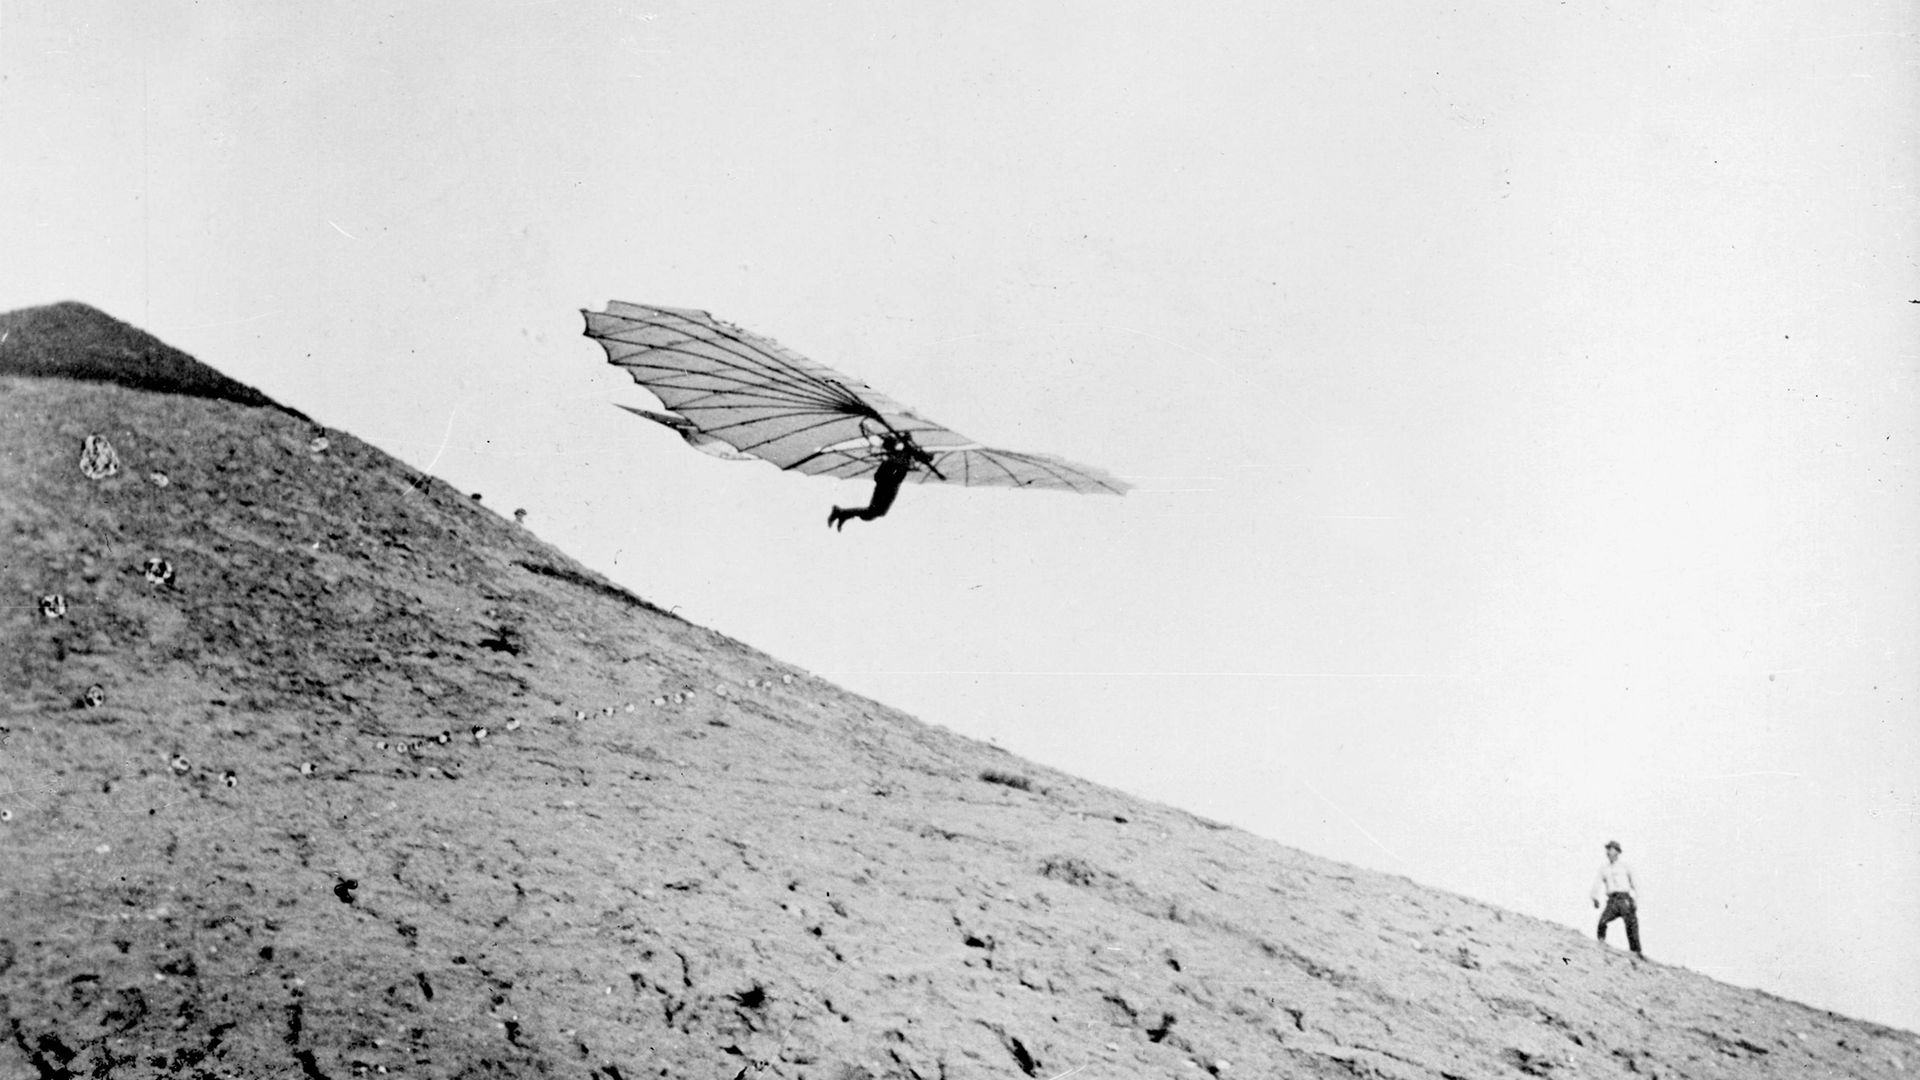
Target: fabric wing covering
754, 395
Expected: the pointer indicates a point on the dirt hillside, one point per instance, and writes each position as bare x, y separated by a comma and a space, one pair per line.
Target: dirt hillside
313, 767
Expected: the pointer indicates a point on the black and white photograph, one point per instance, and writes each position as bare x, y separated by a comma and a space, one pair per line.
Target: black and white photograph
632, 540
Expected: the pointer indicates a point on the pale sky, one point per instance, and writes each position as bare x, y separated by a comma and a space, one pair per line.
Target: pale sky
1521, 399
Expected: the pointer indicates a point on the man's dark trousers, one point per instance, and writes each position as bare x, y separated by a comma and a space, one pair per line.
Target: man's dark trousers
1620, 906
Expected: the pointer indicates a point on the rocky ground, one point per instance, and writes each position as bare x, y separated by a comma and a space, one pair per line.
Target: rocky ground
364, 779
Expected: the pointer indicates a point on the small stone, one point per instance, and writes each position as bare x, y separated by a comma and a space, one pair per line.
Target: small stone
306, 768
479, 733
318, 445
98, 460
158, 571
607, 711
53, 606
103, 849
629, 706
519, 517
228, 778
381, 745
513, 725
444, 737
579, 714
159, 479
180, 764
96, 696
659, 701
786, 679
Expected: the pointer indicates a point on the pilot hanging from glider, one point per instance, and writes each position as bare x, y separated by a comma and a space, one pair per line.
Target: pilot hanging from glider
899, 456
736, 395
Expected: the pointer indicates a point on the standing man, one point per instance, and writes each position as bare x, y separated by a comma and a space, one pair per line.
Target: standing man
1616, 884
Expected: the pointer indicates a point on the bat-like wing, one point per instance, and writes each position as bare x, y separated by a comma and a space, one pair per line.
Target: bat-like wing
696, 438
758, 397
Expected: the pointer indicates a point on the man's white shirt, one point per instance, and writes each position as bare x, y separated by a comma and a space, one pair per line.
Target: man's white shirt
1615, 877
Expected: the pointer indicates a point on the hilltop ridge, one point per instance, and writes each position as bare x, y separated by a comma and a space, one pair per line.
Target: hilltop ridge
72, 340
371, 781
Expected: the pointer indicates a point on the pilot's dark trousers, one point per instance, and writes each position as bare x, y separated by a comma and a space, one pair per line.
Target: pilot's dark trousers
1620, 906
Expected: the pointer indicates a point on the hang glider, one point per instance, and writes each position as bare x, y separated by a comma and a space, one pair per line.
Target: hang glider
729, 387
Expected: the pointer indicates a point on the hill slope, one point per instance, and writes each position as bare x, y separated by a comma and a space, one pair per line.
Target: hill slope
280, 844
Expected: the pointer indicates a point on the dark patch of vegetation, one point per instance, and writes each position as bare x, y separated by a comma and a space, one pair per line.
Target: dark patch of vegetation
1529, 1064
182, 966
591, 584
1028, 1064
309, 1067
506, 639
1008, 779
1160, 1031
48, 1054
129, 1009
1073, 870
